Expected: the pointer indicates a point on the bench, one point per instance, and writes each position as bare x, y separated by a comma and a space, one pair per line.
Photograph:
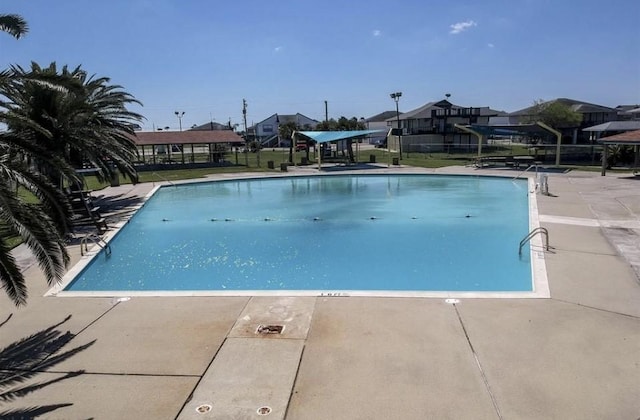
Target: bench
508, 161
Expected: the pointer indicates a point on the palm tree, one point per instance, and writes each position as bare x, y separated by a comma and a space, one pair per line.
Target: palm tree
55, 120
80, 119
38, 223
14, 25
286, 132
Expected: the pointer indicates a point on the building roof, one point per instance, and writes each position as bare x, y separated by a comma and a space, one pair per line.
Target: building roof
383, 116
424, 112
142, 138
210, 126
285, 118
626, 108
509, 129
578, 106
628, 137
615, 126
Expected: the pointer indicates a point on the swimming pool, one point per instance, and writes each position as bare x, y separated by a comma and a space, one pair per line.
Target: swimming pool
322, 235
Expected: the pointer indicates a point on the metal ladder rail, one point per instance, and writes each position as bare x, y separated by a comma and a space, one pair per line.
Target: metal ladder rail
97, 241
534, 232
161, 178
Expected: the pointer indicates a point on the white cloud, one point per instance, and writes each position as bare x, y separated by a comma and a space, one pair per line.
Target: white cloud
490, 45
456, 28
277, 49
376, 32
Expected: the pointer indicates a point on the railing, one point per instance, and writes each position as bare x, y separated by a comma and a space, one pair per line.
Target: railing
269, 142
534, 232
157, 175
95, 239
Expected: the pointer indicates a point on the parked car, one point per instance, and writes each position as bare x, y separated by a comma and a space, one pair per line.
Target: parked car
381, 144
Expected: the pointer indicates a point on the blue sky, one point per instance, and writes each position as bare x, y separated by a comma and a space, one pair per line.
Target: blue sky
287, 56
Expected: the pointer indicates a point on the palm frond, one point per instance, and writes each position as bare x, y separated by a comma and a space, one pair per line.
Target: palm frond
14, 25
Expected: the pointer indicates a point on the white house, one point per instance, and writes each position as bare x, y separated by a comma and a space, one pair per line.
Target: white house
380, 122
267, 130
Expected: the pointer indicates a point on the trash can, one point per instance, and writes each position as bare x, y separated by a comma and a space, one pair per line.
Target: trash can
396, 161
372, 158
283, 167
304, 161
115, 180
270, 164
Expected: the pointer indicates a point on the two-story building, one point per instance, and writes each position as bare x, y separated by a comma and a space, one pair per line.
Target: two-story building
592, 114
266, 131
431, 127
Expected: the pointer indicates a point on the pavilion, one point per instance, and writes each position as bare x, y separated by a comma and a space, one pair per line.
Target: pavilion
333, 136
629, 138
482, 130
151, 144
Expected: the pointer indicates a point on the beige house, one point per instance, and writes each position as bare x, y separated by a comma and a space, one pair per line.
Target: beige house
431, 127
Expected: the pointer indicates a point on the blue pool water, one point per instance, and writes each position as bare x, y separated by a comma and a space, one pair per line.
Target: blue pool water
331, 233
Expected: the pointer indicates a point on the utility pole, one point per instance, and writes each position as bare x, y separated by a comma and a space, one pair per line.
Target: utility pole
326, 112
246, 133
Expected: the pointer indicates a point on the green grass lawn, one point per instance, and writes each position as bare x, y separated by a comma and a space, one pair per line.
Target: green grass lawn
258, 163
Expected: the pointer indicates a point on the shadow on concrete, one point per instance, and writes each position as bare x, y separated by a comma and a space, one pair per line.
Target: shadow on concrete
112, 208
24, 359
633, 177
114, 205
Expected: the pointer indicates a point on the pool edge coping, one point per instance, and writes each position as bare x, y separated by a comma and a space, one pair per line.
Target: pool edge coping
539, 279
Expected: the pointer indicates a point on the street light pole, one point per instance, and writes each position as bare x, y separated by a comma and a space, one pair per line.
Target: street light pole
396, 97
179, 115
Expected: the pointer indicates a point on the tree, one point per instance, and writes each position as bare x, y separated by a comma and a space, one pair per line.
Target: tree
55, 120
555, 114
31, 221
14, 25
80, 119
285, 130
38, 224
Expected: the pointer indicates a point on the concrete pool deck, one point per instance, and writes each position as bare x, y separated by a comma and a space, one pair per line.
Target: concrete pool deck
575, 355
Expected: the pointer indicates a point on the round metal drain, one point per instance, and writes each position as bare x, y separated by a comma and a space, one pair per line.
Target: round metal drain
204, 408
263, 411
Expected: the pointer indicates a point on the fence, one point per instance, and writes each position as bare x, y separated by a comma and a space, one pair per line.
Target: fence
569, 154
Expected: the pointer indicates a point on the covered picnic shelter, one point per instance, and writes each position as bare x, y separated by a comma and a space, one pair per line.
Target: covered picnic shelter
612, 127
332, 136
160, 146
537, 128
629, 138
